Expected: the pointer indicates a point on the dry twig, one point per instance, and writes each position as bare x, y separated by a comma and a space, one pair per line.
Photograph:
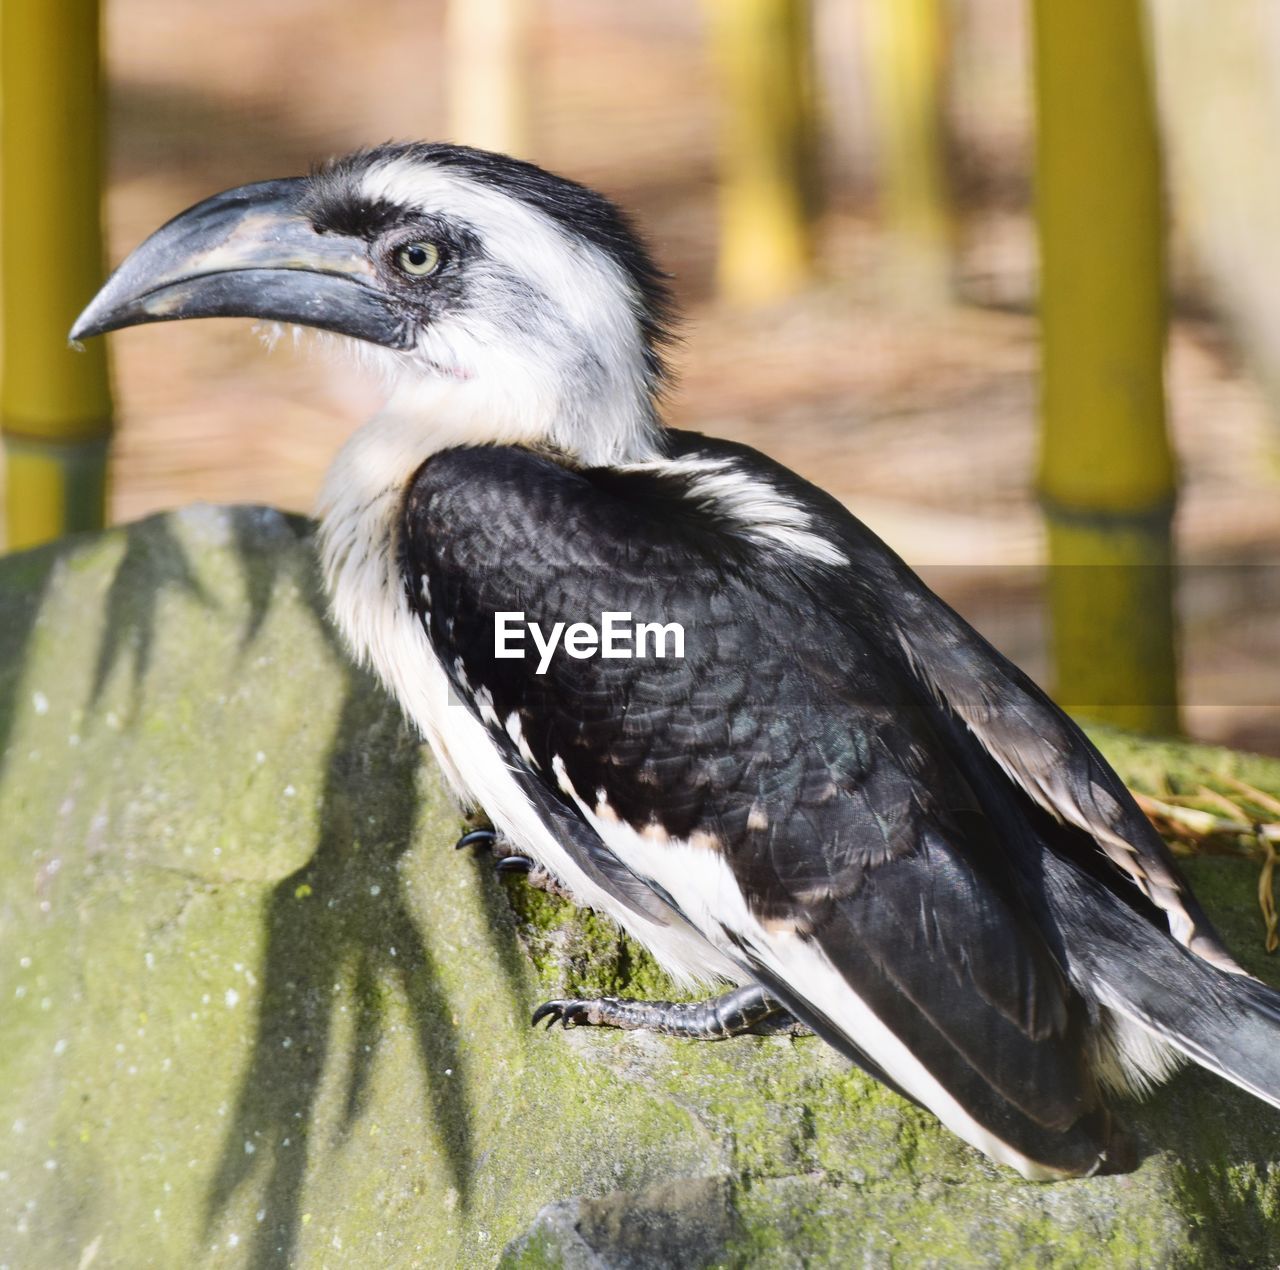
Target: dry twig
1235, 826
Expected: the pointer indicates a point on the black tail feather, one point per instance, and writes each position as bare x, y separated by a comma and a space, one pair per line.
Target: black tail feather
1227, 1023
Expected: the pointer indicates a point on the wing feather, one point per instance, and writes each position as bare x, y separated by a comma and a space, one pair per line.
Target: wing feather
783, 788
1037, 746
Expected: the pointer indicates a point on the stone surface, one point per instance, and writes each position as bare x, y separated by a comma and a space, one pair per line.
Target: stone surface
257, 1012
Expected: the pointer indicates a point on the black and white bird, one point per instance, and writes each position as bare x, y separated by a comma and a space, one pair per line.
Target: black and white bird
840, 800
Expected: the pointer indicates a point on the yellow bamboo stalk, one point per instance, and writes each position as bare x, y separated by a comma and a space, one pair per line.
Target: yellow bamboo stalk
1107, 472
55, 404
907, 48
763, 59
489, 73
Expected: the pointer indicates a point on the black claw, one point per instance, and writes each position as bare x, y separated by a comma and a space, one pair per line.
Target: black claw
513, 864
554, 1012
567, 1013
475, 835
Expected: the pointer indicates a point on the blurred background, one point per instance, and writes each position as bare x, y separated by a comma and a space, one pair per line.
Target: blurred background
843, 192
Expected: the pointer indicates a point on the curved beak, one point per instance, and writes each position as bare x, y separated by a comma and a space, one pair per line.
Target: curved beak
250, 252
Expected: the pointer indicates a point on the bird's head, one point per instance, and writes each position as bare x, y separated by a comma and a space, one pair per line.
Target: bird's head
510, 305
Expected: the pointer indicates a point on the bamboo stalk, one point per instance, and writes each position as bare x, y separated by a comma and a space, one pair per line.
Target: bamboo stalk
763, 58
55, 404
489, 73
907, 46
1107, 474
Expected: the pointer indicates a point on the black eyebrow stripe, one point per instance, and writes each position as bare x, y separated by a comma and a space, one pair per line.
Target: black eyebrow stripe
352, 214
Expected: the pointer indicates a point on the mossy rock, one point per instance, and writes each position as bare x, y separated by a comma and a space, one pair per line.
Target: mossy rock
258, 1012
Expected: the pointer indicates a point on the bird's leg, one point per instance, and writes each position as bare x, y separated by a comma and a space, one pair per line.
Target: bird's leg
508, 860
749, 1009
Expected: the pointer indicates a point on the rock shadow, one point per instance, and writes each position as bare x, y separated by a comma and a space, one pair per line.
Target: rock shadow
23, 583
340, 930
257, 533
154, 559
342, 918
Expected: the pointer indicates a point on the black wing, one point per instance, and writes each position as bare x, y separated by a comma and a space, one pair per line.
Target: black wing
783, 784
1038, 748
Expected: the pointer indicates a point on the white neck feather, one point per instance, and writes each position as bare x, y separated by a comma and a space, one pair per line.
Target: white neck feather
361, 499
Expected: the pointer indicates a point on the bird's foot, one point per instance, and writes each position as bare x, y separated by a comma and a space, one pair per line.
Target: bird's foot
749, 1009
507, 860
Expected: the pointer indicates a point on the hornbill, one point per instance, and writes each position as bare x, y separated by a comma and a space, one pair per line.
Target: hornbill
840, 800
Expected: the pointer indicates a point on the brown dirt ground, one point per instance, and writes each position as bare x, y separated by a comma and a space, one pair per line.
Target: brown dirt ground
923, 424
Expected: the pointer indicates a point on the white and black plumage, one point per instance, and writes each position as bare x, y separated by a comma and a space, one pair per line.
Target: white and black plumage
841, 798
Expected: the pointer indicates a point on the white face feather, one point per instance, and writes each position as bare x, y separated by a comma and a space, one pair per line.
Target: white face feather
548, 346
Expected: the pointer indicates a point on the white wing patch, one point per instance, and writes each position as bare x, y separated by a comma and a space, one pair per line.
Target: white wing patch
763, 513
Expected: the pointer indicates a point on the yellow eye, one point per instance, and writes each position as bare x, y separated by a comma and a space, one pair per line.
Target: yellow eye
418, 259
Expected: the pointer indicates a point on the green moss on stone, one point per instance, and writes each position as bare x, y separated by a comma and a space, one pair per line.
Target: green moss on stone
257, 1012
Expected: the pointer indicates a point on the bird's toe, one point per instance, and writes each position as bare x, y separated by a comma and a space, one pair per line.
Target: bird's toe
567, 1013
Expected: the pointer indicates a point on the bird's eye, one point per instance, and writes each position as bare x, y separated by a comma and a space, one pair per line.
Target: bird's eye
418, 259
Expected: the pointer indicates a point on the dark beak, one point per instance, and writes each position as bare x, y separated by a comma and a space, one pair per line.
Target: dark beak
251, 252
